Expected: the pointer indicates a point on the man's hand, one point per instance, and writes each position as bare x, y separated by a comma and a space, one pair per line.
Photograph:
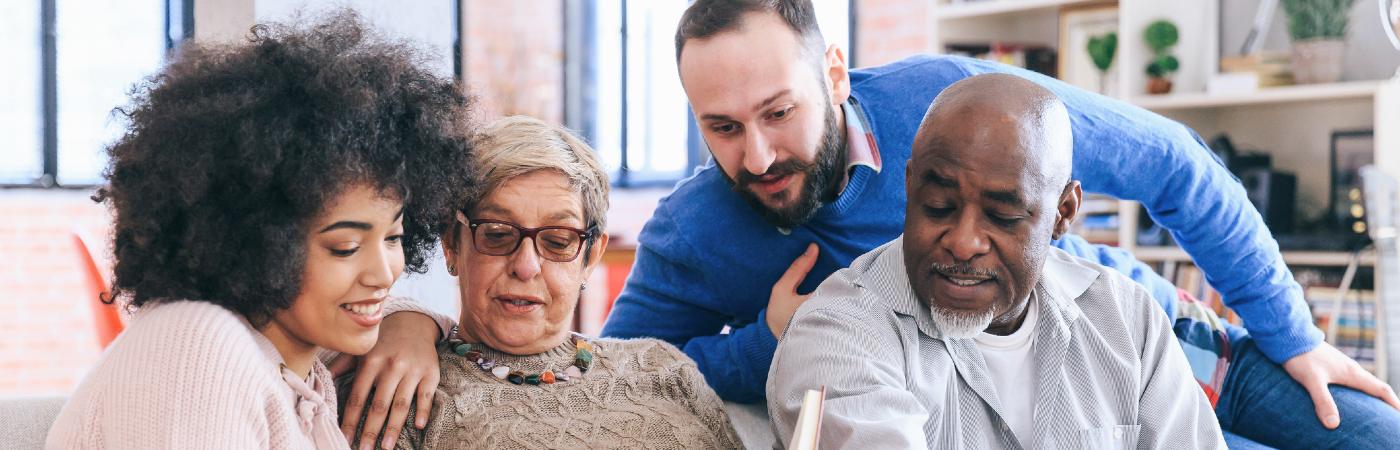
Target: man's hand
1325, 365
785, 300
403, 363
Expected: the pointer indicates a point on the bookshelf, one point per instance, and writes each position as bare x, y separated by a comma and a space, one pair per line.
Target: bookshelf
1292, 258
1001, 7
1292, 124
1284, 94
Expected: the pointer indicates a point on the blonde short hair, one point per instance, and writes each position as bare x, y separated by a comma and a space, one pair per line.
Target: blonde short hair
517, 145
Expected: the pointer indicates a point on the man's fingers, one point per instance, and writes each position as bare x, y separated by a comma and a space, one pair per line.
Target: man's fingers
1363, 381
1323, 404
398, 412
359, 396
426, 390
798, 270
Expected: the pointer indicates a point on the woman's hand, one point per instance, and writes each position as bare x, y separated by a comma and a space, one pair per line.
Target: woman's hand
401, 366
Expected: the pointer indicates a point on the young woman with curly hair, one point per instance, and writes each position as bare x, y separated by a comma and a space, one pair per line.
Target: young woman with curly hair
266, 196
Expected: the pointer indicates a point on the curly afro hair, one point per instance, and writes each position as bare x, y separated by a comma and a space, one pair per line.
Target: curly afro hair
232, 150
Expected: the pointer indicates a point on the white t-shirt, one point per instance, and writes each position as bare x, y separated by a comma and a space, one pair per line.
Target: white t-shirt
1012, 372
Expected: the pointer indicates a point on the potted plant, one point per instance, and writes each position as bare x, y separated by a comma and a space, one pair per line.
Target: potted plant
1161, 36
1319, 30
1101, 49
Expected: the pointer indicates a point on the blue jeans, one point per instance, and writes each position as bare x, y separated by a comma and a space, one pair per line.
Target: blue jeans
1261, 406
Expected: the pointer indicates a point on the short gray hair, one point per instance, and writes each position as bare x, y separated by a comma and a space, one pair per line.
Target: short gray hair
517, 145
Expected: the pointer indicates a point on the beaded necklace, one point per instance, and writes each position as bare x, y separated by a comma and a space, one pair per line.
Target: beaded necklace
583, 360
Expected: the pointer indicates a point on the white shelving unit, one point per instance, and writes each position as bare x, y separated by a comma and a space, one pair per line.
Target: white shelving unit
984, 8
1293, 124
1283, 94
1293, 258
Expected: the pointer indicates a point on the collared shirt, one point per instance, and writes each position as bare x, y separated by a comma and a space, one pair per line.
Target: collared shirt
861, 149
1108, 372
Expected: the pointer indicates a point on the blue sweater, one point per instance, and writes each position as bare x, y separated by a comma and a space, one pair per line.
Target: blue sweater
706, 259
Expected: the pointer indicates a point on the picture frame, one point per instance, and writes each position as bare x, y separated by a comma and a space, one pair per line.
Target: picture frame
1077, 25
1349, 151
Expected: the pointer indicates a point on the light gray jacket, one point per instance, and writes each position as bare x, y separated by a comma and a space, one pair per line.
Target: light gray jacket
1109, 371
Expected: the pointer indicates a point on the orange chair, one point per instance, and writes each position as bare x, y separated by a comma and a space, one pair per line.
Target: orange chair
107, 318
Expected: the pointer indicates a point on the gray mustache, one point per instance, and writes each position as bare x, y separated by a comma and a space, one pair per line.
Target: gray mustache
963, 269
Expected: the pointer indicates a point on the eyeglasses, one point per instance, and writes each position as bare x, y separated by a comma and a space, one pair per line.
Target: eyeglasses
501, 238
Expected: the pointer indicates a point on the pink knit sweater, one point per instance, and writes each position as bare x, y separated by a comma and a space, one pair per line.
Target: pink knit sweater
195, 375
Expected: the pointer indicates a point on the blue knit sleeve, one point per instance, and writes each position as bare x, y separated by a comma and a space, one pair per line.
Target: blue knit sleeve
1115, 258
1133, 154
667, 297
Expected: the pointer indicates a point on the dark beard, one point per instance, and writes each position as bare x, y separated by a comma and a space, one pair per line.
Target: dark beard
818, 187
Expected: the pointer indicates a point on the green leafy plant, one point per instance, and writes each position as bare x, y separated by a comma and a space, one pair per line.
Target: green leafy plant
1317, 19
1101, 49
1161, 36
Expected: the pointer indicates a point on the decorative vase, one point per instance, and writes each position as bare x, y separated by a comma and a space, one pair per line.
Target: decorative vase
1158, 85
1318, 60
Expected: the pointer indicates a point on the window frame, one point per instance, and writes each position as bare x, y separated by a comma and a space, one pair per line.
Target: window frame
581, 86
179, 26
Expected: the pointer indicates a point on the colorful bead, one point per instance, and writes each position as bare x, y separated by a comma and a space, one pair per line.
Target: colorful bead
583, 359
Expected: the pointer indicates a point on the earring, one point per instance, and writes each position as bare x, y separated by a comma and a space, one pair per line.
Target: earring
583, 286
452, 269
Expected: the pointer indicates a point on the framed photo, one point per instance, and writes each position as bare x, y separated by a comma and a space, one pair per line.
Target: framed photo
1351, 150
1079, 24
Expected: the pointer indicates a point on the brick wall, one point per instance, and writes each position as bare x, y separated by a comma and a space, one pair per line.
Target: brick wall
887, 30
515, 57
49, 339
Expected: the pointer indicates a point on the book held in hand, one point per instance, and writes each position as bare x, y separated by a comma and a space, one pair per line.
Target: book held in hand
809, 421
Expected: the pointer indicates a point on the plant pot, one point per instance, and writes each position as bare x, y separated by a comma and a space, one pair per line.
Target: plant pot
1158, 86
1318, 60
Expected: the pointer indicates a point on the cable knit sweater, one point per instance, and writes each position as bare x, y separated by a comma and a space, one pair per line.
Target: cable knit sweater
639, 393
192, 374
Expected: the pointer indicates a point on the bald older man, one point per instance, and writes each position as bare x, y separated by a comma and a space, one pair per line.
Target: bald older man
971, 330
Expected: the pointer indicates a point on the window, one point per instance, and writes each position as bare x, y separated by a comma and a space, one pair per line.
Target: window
623, 92
61, 112
21, 105
59, 127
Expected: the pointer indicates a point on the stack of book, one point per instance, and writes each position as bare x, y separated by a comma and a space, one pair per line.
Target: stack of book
1355, 321
1097, 221
1189, 278
1035, 57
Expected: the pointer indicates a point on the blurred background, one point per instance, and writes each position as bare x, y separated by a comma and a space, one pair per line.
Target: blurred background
1293, 112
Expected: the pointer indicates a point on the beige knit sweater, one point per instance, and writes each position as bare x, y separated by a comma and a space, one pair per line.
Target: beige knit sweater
639, 393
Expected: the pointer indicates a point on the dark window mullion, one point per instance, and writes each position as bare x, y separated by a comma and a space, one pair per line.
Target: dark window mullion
623, 169
458, 72
179, 22
49, 81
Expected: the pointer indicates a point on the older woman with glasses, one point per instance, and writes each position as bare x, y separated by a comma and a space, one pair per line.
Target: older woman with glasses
512, 373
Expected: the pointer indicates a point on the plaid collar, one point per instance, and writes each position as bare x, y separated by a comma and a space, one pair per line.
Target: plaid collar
860, 141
